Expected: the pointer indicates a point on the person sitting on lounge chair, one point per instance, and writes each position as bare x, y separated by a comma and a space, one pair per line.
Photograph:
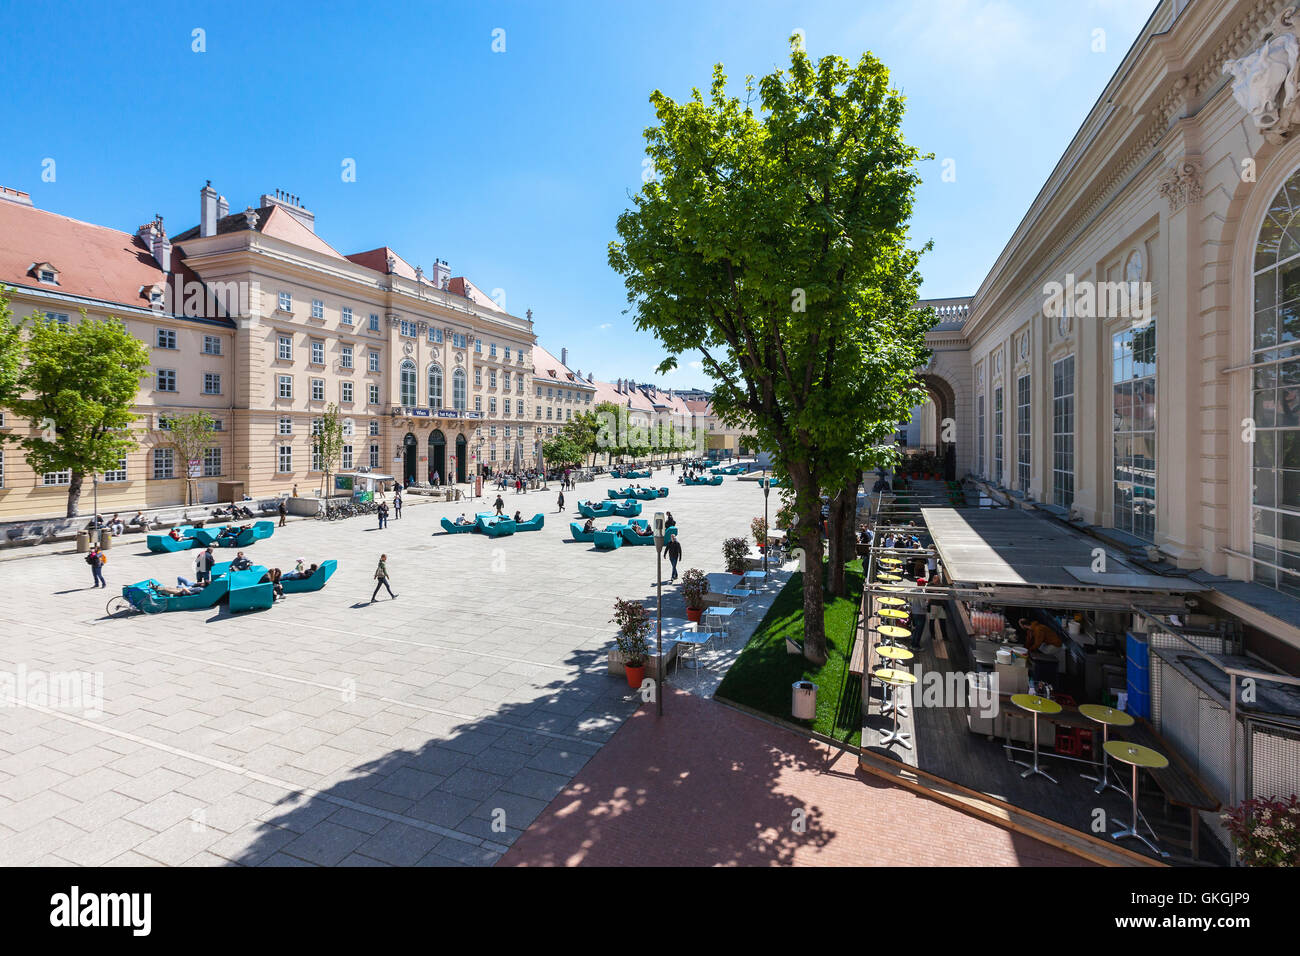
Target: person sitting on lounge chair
642, 529
175, 534
518, 517
273, 577
240, 563
300, 570
590, 526
179, 591
460, 519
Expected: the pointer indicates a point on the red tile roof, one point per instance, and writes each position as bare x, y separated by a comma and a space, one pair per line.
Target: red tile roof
93, 261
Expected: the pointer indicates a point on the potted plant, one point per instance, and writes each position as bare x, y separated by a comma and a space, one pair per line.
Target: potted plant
694, 586
758, 528
634, 625
734, 552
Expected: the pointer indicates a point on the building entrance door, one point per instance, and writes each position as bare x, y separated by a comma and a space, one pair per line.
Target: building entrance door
409, 447
460, 457
438, 455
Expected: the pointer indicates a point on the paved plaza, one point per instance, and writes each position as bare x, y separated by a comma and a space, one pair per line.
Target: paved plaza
431, 729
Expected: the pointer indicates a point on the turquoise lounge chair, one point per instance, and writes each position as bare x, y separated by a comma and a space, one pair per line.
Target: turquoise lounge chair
208, 597
452, 528
314, 582
576, 532
628, 508
534, 523
608, 540
263, 530
214, 538
495, 527
604, 509
630, 535
616, 493
162, 543
247, 593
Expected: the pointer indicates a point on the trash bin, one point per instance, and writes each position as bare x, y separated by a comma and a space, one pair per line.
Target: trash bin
83, 542
105, 540
803, 700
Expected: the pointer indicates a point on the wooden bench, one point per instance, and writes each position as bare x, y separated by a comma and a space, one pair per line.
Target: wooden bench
1178, 782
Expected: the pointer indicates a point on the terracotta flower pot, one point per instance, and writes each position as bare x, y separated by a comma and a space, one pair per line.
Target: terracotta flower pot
693, 613
635, 675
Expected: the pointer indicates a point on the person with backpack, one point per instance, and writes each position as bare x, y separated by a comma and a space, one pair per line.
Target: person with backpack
96, 559
284, 511
561, 502
381, 579
397, 505
383, 514
203, 562
500, 506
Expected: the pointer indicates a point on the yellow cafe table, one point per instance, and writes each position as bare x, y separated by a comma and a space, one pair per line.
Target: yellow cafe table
890, 587
891, 578
891, 602
897, 679
1136, 755
1035, 705
896, 613
893, 631
1108, 717
898, 655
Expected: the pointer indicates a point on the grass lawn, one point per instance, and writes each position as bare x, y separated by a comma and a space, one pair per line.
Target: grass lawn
764, 671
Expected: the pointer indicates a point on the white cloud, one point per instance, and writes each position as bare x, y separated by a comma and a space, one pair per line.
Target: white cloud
697, 364
606, 325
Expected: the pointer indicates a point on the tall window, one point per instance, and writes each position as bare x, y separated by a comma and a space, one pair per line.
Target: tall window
458, 389
1133, 358
345, 356
346, 395
212, 463
164, 463
979, 435
373, 360
285, 347
347, 457
1063, 432
374, 455
1023, 451
166, 379
345, 315
997, 434
118, 473
407, 388
317, 352
435, 386
284, 460
1275, 395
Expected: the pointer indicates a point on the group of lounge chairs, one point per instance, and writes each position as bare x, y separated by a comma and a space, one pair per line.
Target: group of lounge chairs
185, 537
620, 473
493, 525
642, 494
609, 509
247, 590
619, 533
703, 480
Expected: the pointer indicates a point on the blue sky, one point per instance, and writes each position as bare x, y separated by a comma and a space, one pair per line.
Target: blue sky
513, 166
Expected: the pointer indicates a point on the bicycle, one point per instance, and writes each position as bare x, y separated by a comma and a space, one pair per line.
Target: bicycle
135, 600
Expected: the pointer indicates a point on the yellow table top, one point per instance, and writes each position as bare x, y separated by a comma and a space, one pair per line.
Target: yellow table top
1136, 754
892, 612
891, 562
1036, 704
891, 602
891, 675
889, 577
1106, 715
893, 630
890, 587
890, 652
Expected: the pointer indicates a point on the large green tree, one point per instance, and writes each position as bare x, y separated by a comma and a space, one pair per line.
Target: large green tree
77, 385
11, 352
774, 242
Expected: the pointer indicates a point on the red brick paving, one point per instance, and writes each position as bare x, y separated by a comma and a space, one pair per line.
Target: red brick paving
707, 785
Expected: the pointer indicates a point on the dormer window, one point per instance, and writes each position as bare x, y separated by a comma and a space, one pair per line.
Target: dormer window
44, 272
154, 294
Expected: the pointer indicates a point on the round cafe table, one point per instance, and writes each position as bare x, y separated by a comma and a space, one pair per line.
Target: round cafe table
891, 602
893, 630
1136, 755
1108, 717
1035, 705
896, 679
896, 613
897, 655
890, 587
891, 578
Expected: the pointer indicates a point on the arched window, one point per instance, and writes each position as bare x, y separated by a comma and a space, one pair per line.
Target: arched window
458, 389
407, 383
1275, 394
435, 385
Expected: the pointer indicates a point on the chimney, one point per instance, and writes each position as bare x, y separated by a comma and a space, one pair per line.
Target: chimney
208, 210
223, 207
441, 273
590, 377
154, 236
292, 205
564, 357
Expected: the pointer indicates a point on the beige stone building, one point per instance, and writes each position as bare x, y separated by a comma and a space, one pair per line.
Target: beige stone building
429, 373
1133, 356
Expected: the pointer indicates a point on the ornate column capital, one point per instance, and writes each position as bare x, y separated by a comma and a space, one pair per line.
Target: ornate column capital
1180, 184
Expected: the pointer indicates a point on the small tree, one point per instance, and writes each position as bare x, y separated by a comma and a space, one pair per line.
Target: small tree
11, 352
634, 624
77, 387
327, 444
189, 435
734, 552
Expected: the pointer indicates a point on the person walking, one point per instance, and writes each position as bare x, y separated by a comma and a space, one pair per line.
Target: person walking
284, 511
397, 505
203, 563
674, 552
381, 579
561, 502
96, 559
500, 506
382, 511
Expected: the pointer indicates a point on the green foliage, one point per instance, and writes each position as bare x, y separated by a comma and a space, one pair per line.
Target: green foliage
775, 243
695, 584
634, 624
734, 552
78, 384
11, 352
328, 443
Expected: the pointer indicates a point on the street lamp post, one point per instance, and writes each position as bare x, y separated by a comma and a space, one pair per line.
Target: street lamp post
659, 619
767, 490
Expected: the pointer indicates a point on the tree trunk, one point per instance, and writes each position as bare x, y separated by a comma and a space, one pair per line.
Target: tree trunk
839, 536
808, 507
74, 493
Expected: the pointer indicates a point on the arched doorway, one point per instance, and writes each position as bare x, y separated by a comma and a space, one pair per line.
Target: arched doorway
437, 455
460, 457
410, 449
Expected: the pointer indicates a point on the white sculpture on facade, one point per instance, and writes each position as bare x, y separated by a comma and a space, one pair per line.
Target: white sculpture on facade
1265, 81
